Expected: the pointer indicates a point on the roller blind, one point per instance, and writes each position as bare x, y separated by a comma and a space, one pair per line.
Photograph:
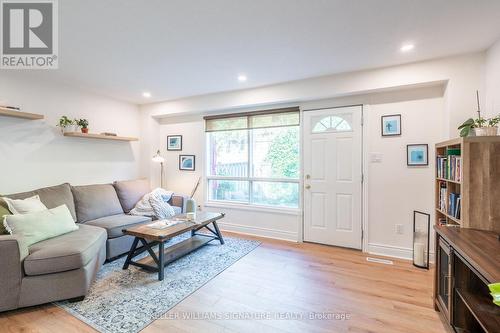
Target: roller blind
250, 120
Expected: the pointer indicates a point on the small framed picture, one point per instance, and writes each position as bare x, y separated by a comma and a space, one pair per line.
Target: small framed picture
391, 125
417, 155
174, 142
187, 162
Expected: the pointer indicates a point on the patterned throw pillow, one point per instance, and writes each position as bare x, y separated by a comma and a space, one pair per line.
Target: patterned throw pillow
155, 204
3, 211
159, 201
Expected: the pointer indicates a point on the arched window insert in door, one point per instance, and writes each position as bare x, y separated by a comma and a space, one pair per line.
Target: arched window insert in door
339, 123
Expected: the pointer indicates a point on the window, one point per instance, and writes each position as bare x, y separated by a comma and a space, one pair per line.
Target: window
332, 124
253, 158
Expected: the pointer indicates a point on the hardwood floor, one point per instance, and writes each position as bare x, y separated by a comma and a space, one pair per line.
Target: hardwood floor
287, 279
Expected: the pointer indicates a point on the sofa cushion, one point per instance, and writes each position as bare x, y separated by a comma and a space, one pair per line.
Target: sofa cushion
51, 197
95, 201
131, 191
116, 223
67, 252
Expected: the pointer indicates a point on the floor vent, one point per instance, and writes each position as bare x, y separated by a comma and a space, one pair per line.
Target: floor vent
380, 261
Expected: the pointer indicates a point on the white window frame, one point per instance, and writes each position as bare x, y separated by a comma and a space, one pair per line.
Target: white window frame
250, 179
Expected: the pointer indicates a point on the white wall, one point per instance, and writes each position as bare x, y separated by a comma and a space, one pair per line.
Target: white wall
463, 75
492, 80
434, 97
35, 154
394, 189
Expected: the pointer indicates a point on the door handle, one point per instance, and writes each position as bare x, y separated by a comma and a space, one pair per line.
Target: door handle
307, 186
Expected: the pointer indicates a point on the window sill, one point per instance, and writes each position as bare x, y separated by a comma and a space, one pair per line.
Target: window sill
254, 208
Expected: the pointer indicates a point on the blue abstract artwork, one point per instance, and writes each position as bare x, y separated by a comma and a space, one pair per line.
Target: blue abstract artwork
391, 125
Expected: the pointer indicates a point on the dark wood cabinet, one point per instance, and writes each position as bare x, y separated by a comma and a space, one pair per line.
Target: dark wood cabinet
467, 260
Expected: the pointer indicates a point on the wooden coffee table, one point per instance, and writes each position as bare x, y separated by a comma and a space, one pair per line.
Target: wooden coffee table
149, 237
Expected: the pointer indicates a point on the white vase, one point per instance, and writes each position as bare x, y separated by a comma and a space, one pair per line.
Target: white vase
70, 128
480, 131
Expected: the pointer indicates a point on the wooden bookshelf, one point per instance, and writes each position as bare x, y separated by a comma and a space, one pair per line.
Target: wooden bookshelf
99, 136
479, 183
5, 112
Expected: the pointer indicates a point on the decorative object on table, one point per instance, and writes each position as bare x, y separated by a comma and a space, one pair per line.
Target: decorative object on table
391, 125
421, 240
83, 124
191, 203
174, 142
67, 125
187, 162
479, 126
159, 159
417, 155
495, 292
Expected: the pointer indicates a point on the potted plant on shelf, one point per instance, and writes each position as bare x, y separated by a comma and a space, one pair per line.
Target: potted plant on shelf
480, 127
66, 124
84, 125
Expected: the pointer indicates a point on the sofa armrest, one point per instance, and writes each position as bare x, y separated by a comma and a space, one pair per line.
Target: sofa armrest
12, 254
179, 200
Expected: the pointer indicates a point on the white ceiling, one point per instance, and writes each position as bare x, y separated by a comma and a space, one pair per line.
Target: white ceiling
179, 48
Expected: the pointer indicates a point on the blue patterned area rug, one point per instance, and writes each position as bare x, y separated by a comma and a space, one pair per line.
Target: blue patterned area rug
122, 301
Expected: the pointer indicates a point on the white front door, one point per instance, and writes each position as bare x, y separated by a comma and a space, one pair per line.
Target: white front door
333, 176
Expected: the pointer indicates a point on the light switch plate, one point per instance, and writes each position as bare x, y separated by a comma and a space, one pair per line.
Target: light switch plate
376, 157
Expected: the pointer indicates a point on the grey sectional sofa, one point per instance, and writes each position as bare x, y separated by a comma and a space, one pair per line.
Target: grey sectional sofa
64, 267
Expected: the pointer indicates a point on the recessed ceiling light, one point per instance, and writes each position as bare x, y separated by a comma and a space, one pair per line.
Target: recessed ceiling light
146, 94
407, 47
242, 77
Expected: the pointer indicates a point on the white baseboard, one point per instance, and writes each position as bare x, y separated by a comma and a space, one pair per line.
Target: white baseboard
393, 251
261, 232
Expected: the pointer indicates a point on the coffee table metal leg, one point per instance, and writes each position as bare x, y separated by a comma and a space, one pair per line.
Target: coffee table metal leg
161, 254
131, 253
219, 234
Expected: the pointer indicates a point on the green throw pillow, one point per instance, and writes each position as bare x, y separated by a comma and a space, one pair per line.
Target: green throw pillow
3, 211
39, 226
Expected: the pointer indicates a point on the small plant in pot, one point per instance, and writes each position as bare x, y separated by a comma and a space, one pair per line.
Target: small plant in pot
66, 124
480, 127
84, 125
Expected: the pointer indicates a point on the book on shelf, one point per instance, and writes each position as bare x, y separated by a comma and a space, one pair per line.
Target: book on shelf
457, 208
449, 166
453, 206
443, 190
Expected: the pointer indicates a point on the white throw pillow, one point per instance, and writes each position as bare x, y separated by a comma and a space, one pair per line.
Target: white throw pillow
39, 226
26, 206
159, 201
155, 204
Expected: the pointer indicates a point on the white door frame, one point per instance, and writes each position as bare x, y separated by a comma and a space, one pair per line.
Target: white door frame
364, 168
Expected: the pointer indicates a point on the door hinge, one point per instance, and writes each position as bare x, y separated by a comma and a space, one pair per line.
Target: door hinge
362, 234
362, 178
362, 120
